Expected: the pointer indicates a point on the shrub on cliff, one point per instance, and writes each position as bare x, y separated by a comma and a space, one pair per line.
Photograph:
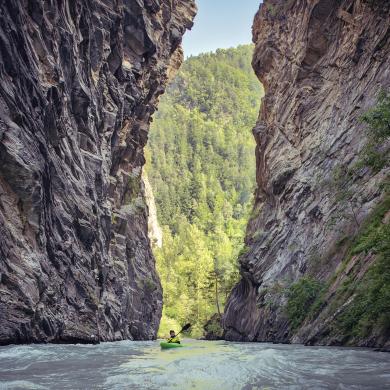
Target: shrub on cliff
213, 329
370, 308
301, 295
376, 153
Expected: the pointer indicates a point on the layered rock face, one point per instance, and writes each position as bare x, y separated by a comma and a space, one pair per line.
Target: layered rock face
322, 63
79, 81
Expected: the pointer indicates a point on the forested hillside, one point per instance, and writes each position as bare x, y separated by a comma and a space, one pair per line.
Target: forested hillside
202, 170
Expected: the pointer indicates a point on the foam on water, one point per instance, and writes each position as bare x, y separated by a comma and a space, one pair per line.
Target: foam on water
200, 365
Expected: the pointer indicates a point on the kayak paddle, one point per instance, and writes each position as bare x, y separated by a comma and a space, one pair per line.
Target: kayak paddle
183, 329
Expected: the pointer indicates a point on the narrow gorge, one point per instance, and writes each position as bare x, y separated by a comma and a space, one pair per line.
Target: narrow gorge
79, 83
315, 268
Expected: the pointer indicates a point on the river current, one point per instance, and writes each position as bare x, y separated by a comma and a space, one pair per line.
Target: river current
203, 365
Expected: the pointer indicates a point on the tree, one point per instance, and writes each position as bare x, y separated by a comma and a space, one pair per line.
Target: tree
201, 165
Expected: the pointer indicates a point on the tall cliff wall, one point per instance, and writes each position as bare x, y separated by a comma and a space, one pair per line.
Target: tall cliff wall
322, 63
79, 81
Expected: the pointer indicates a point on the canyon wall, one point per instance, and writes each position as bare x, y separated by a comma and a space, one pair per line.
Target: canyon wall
323, 64
79, 82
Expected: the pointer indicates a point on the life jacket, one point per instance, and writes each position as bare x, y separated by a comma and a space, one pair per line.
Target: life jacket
174, 340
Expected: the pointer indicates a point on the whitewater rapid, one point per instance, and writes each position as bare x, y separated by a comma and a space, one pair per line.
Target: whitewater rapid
201, 365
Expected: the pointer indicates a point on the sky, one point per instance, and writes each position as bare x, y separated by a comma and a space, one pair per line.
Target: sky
220, 24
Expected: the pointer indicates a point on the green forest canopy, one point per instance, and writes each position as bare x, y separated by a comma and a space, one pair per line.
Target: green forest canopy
201, 165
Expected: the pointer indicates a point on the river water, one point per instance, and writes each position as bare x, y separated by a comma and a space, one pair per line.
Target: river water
203, 365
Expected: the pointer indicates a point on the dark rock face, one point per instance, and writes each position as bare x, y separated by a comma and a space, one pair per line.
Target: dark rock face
79, 81
322, 64
213, 328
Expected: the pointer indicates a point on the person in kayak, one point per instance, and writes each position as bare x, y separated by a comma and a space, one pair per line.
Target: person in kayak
173, 338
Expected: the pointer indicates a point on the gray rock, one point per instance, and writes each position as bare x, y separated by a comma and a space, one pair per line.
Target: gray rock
322, 64
79, 82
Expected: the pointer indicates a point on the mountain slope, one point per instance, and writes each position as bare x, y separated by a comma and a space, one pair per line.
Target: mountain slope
201, 169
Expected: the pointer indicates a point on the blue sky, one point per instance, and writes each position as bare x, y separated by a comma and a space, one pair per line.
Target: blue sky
220, 24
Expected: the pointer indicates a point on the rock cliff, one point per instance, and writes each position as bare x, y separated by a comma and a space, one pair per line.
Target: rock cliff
322, 63
79, 82
154, 229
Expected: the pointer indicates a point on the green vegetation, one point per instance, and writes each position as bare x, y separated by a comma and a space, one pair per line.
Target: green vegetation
376, 153
213, 328
201, 166
369, 306
167, 324
341, 184
149, 285
301, 295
